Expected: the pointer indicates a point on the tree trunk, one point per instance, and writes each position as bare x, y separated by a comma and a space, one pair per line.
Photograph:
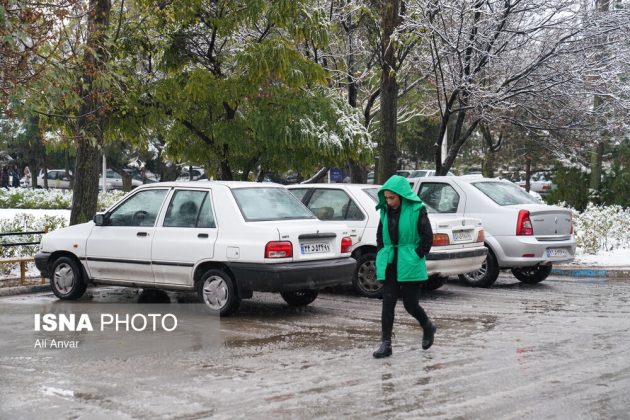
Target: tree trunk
597, 155
89, 123
528, 173
389, 91
126, 180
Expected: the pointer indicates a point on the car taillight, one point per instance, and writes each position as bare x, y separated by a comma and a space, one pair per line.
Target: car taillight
346, 244
572, 225
440, 239
276, 249
481, 236
523, 224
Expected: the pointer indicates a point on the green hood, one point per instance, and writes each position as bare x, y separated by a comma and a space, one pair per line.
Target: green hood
398, 185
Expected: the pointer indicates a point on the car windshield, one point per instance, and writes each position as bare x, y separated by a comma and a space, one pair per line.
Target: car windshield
258, 204
505, 194
373, 193
418, 174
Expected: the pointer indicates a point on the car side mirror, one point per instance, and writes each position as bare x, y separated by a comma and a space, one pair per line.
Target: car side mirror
99, 219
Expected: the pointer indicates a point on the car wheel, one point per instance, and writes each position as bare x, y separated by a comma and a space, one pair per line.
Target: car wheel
434, 282
217, 292
66, 279
299, 298
364, 280
485, 276
532, 275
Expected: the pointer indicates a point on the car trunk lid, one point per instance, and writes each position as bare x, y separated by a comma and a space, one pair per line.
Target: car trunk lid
548, 222
313, 239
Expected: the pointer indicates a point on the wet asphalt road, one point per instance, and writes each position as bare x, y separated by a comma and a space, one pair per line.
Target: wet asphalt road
558, 350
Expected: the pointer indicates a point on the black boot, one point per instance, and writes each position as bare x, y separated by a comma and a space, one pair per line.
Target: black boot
385, 350
427, 335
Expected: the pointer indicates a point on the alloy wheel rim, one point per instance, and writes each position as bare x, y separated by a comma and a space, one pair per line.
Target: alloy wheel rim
367, 277
479, 274
215, 292
63, 278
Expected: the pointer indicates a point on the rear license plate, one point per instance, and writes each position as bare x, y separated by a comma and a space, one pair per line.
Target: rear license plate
315, 248
556, 252
462, 235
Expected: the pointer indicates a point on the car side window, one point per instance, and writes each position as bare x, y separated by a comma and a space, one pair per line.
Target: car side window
189, 209
141, 209
299, 192
440, 197
334, 205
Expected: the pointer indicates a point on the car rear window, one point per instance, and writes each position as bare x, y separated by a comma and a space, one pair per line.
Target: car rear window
258, 204
505, 194
373, 193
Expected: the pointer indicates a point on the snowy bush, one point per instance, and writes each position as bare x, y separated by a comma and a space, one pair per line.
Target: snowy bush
25, 198
24, 222
601, 228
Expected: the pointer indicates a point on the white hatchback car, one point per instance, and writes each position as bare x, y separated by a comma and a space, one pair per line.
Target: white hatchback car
457, 241
522, 234
222, 239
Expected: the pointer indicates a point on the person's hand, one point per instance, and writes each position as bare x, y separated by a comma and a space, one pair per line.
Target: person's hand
419, 251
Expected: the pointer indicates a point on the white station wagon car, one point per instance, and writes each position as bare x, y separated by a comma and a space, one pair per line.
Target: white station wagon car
457, 241
221, 239
522, 234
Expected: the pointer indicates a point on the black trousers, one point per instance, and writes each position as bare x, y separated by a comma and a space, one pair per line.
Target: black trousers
410, 293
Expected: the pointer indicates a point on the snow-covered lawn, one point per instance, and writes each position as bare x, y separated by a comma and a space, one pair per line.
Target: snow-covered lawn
614, 258
38, 213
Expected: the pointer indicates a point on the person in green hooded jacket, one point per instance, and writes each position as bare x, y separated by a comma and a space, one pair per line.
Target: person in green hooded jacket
404, 238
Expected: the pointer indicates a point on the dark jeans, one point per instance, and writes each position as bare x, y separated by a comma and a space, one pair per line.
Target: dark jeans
410, 292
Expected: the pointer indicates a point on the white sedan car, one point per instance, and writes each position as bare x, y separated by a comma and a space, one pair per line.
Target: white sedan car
522, 234
223, 240
457, 241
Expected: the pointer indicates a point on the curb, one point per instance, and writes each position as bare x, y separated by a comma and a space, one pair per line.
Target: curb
21, 290
591, 272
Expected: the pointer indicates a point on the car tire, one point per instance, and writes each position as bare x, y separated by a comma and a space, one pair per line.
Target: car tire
300, 297
434, 282
532, 275
364, 280
66, 279
485, 276
217, 292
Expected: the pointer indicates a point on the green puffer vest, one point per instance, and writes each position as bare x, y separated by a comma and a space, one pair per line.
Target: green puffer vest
410, 266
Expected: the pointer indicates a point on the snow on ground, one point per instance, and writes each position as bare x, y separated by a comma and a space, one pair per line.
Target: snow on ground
614, 258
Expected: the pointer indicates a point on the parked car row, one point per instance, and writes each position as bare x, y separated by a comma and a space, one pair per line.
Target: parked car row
458, 241
226, 240
57, 178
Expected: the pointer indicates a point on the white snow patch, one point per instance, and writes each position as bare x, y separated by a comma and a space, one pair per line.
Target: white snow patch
57, 392
614, 258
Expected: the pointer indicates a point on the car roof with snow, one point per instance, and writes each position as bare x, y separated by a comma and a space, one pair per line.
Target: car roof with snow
207, 183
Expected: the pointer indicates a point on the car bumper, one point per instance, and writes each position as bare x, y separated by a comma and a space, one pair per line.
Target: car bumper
41, 262
453, 262
527, 251
286, 277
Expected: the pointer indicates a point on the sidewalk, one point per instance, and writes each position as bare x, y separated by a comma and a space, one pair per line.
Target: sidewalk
574, 270
32, 284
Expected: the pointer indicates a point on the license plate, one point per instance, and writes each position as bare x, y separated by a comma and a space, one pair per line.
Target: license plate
556, 252
315, 248
462, 235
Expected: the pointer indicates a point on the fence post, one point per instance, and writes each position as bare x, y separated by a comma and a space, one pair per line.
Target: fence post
22, 272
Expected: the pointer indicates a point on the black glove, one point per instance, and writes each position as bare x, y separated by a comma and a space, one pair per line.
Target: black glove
419, 252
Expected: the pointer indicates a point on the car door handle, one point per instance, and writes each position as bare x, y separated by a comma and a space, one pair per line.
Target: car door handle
142, 234
202, 235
